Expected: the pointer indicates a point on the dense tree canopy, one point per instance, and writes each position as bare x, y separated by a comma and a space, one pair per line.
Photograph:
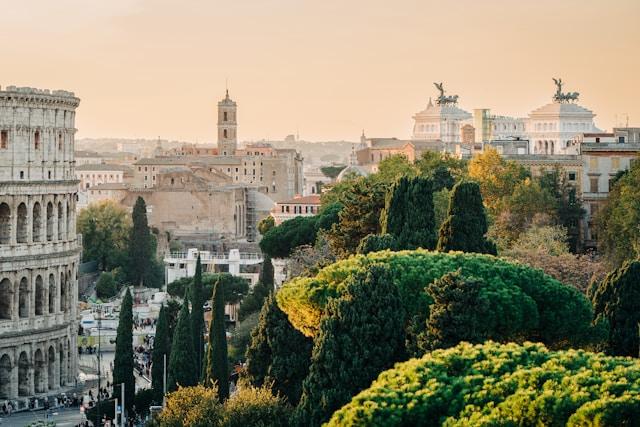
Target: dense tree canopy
182, 370
494, 384
617, 300
141, 254
217, 369
105, 228
106, 286
123, 359
332, 171
235, 287
564, 314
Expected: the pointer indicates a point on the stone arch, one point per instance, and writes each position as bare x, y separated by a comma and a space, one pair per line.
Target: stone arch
63, 293
63, 366
37, 222
39, 308
23, 374
52, 293
5, 224
38, 372
21, 229
51, 368
50, 219
6, 296
61, 221
546, 147
5, 376
551, 147
23, 298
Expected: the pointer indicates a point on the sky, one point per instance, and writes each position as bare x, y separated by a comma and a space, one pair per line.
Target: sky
326, 69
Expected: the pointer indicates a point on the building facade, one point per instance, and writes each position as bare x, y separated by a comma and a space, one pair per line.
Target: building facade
298, 206
39, 248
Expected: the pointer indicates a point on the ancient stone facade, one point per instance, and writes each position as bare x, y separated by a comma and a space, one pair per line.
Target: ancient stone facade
39, 248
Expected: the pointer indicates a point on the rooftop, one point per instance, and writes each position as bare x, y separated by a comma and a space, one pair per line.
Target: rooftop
313, 199
102, 167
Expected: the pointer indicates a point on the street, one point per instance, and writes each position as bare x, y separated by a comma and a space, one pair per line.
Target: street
64, 417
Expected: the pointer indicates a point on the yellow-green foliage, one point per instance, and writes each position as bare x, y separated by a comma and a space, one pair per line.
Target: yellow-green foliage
501, 385
564, 315
196, 406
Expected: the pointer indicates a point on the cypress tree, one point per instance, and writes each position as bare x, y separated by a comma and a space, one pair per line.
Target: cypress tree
197, 316
217, 360
279, 354
466, 224
182, 361
617, 300
141, 249
266, 273
408, 214
253, 302
123, 359
345, 356
161, 344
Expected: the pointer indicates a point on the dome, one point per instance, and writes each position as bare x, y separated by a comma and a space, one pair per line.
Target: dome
263, 203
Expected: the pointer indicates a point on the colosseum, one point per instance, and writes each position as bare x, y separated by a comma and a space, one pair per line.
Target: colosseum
39, 248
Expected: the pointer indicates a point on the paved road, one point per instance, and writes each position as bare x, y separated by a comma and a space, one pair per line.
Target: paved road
63, 418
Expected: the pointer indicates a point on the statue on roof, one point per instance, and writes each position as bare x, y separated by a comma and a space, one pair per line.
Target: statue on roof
560, 96
442, 99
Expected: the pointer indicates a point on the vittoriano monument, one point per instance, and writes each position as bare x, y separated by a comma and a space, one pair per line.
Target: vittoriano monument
445, 100
559, 96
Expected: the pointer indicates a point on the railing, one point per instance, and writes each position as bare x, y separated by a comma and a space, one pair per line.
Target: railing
213, 257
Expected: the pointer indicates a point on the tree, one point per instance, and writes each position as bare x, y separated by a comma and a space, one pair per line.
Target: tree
395, 167
408, 214
241, 338
332, 171
266, 272
528, 201
141, 246
197, 316
376, 242
252, 406
617, 300
466, 225
280, 241
182, 360
217, 372
161, 345
192, 406
106, 286
173, 308
617, 220
497, 178
551, 240
278, 354
266, 224
345, 359
433, 163
235, 287
105, 228
472, 310
123, 359
359, 217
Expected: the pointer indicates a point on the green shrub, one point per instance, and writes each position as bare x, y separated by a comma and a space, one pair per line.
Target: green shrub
564, 314
500, 385
196, 406
376, 243
106, 286
257, 407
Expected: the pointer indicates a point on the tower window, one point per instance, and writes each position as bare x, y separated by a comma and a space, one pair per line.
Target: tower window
224, 132
4, 139
225, 116
36, 140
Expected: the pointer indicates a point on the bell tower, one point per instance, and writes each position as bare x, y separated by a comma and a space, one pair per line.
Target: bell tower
227, 126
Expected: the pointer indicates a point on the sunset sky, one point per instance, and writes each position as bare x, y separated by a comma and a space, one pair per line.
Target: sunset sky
329, 68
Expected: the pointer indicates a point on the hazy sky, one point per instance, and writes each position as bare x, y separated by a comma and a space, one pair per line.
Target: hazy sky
148, 68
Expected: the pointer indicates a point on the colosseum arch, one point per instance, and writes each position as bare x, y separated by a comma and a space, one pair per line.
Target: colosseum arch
37, 222
52, 293
21, 228
39, 296
60, 221
38, 372
6, 297
50, 220
63, 366
5, 224
5, 377
23, 298
23, 374
51, 368
63, 293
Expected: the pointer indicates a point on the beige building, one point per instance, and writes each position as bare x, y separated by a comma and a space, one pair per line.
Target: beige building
298, 206
373, 150
91, 175
39, 248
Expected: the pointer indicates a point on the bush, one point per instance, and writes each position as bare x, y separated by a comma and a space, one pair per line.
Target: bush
564, 314
495, 384
376, 243
143, 400
251, 406
106, 286
196, 406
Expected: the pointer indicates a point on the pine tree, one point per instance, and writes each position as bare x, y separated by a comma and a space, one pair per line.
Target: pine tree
197, 316
279, 354
161, 345
182, 362
141, 251
217, 360
345, 358
123, 359
253, 302
617, 300
466, 224
408, 214
266, 273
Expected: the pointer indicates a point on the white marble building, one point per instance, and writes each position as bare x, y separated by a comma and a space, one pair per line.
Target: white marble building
39, 248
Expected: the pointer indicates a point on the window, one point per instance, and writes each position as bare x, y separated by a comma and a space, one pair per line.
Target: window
593, 184
21, 174
621, 140
225, 116
59, 141
224, 133
4, 139
49, 174
36, 140
593, 163
572, 176
615, 163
